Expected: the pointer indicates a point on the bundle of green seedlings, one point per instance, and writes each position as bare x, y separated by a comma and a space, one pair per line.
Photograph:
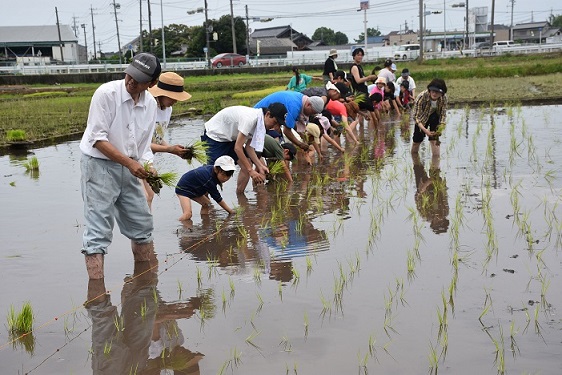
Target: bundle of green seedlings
16, 135
157, 181
276, 167
196, 150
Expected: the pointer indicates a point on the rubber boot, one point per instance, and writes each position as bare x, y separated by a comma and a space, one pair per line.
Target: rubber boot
94, 266
142, 252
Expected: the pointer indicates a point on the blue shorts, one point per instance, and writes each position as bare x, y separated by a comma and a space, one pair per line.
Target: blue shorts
217, 149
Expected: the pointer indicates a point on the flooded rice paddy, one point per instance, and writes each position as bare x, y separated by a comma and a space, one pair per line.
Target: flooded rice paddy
373, 262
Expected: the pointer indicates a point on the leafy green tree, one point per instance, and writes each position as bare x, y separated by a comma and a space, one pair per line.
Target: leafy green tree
223, 28
175, 35
324, 34
555, 21
371, 31
340, 38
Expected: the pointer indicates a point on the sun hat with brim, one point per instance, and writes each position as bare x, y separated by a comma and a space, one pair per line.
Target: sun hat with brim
381, 80
333, 52
144, 68
170, 84
226, 163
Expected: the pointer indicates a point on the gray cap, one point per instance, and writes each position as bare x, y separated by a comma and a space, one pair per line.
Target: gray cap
144, 68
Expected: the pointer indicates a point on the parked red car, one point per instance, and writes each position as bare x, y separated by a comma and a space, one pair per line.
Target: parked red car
228, 59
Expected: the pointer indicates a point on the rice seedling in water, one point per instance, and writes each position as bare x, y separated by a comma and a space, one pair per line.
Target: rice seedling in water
285, 344
21, 322
260, 303
118, 323
232, 287
296, 276
32, 164
326, 305
107, 348
180, 289
306, 324
199, 276
250, 339
143, 309
308, 264
363, 362
513, 343
196, 150
433, 360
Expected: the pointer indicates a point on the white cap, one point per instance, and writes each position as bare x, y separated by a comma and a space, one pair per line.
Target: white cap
331, 86
226, 163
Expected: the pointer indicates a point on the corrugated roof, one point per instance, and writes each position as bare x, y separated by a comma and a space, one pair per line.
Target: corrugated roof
270, 32
22, 35
531, 25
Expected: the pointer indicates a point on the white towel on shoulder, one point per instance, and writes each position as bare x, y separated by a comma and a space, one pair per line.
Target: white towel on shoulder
259, 135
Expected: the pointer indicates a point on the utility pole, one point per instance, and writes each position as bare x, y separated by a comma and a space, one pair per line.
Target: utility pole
75, 26
115, 7
247, 34
467, 42
444, 30
163, 36
60, 39
85, 41
492, 24
149, 27
140, 25
208, 44
93, 30
422, 25
233, 30
511, 26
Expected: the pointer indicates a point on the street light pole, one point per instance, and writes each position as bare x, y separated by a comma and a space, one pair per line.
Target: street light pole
85, 42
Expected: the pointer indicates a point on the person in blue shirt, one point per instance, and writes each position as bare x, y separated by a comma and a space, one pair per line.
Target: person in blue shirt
200, 182
299, 108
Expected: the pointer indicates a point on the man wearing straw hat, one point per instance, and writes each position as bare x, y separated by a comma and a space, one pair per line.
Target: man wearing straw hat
115, 146
167, 92
330, 66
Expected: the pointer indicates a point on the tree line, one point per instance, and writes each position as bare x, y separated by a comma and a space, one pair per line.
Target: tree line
191, 39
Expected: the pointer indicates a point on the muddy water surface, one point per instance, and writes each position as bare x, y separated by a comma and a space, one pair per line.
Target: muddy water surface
374, 262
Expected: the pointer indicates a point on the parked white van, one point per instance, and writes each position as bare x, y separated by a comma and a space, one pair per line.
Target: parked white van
407, 52
503, 44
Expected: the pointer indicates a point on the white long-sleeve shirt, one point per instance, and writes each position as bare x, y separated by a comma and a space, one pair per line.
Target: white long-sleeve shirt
115, 118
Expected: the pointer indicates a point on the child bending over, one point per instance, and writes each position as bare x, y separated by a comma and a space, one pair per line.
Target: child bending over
198, 183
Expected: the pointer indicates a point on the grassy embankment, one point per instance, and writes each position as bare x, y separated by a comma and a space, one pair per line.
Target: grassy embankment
474, 81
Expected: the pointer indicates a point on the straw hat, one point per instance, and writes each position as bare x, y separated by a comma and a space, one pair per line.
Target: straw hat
381, 80
333, 52
171, 85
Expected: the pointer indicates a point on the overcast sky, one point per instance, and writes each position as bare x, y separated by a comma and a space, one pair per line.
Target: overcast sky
305, 16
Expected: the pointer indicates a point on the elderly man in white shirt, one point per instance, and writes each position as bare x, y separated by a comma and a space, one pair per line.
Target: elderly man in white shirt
115, 147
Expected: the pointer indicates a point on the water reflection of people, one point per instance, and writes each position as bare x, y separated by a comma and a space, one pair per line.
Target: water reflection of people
144, 338
431, 195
